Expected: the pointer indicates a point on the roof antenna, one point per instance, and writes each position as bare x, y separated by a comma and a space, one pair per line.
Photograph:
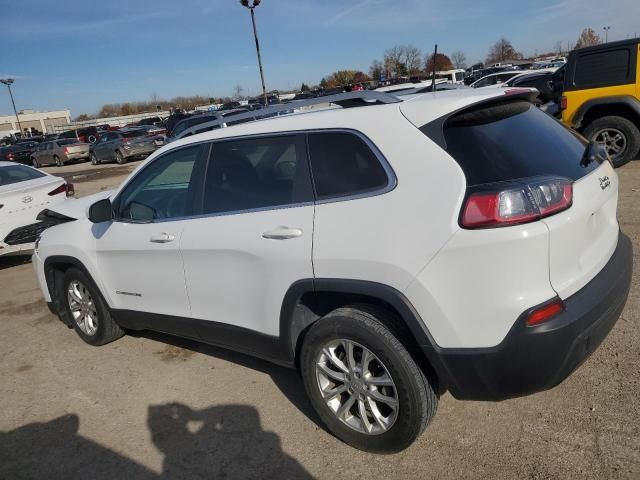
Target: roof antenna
433, 80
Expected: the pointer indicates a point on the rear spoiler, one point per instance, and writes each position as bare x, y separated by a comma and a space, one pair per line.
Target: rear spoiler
435, 129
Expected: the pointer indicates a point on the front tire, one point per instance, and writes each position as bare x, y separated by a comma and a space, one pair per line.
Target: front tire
619, 136
86, 310
363, 383
94, 159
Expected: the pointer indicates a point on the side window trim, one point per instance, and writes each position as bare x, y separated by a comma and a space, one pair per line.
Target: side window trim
195, 188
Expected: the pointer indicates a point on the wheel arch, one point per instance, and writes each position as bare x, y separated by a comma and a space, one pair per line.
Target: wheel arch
54, 269
622, 106
308, 300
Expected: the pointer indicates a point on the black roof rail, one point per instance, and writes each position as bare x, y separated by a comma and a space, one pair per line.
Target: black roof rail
345, 100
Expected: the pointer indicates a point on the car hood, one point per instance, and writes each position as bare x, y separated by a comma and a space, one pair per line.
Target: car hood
79, 207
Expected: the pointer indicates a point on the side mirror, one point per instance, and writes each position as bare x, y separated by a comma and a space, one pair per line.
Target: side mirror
101, 211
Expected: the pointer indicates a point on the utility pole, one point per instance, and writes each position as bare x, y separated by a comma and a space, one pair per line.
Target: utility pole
251, 6
8, 82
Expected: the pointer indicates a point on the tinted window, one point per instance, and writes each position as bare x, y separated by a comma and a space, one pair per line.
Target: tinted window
257, 173
343, 164
603, 68
513, 140
134, 133
18, 173
162, 189
70, 141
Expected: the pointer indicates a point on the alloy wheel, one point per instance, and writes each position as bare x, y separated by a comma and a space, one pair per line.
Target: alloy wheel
357, 387
82, 308
613, 140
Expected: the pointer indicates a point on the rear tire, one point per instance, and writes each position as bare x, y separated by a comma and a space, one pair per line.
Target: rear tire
86, 310
390, 375
618, 135
58, 161
119, 158
35, 163
94, 159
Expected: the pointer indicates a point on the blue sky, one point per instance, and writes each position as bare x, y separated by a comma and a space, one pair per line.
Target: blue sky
81, 54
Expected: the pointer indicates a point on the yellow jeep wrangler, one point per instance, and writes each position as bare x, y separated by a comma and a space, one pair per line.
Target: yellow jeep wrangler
601, 97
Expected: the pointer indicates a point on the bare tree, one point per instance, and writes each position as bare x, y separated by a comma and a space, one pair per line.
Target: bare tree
393, 61
238, 92
412, 59
588, 38
503, 50
459, 59
376, 70
557, 47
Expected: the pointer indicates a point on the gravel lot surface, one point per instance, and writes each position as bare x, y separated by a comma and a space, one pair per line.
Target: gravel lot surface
153, 406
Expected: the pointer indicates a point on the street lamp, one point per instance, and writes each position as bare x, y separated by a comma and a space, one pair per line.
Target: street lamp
251, 5
8, 82
606, 34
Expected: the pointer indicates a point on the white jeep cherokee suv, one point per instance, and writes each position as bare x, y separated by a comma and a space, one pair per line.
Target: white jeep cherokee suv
390, 250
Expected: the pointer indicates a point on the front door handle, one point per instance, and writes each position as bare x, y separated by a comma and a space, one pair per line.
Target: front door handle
162, 238
282, 233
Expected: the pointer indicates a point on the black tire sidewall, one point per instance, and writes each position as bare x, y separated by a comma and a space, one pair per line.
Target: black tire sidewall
93, 158
104, 316
627, 127
410, 421
59, 162
120, 158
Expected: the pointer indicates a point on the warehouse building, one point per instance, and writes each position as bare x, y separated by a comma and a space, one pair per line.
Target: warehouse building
42, 121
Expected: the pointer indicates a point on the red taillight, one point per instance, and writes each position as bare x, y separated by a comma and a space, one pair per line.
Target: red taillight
517, 203
64, 188
9, 156
66, 150
563, 103
545, 313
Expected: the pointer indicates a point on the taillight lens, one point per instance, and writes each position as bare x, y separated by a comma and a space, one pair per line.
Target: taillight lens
9, 156
544, 313
66, 150
563, 103
66, 188
516, 203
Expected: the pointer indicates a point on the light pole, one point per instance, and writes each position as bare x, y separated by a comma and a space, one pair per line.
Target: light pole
251, 6
8, 82
606, 34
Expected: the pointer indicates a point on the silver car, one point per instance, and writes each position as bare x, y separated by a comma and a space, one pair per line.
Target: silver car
121, 145
59, 152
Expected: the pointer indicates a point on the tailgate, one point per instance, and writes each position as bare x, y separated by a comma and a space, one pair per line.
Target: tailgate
25, 200
583, 238
77, 148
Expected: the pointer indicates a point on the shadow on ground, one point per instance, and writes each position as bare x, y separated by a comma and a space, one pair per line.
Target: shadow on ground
14, 260
218, 442
286, 379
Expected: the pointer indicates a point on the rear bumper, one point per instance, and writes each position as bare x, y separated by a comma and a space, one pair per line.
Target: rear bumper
136, 151
532, 359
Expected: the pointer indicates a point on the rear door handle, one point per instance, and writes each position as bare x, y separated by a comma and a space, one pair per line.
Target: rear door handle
162, 238
282, 233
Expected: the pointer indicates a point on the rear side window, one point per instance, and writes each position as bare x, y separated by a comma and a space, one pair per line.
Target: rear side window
254, 173
343, 164
600, 69
513, 140
18, 173
70, 141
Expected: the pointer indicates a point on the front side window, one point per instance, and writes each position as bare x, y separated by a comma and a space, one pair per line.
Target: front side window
343, 164
257, 173
162, 190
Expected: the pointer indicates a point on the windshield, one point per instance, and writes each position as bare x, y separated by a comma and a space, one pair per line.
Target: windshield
18, 173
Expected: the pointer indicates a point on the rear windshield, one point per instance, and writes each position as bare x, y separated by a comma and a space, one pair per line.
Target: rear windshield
514, 140
70, 141
18, 173
134, 133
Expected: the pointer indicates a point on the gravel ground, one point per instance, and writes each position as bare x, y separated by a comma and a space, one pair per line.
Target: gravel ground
153, 406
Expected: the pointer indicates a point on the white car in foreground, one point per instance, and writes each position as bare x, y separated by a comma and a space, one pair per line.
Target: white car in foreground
24, 193
390, 250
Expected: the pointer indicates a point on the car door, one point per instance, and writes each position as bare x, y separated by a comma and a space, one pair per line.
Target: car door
99, 147
138, 252
253, 239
